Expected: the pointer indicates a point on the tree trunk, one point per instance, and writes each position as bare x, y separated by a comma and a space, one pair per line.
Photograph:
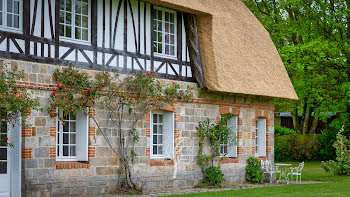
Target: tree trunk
306, 119
295, 119
314, 124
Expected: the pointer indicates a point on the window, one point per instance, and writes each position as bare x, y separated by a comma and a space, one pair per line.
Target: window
260, 137
230, 150
10, 17
75, 19
3, 147
72, 138
164, 29
162, 134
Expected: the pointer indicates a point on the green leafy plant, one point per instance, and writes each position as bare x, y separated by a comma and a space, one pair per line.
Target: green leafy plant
15, 100
76, 90
284, 131
213, 176
215, 134
342, 164
254, 173
126, 100
296, 148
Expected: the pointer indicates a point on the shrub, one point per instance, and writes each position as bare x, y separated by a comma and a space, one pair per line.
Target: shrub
254, 173
213, 176
296, 148
342, 164
283, 131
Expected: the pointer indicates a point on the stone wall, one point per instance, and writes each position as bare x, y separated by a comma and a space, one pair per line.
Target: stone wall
43, 176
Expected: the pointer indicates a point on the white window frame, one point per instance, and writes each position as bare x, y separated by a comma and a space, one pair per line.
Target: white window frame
234, 145
59, 146
163, 33
73, 39
4, 18
260, 137
151, 136
166, 154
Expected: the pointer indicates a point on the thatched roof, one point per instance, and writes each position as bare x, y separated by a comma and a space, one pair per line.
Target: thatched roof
238, 54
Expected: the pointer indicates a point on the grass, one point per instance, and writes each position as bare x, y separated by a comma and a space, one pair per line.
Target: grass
337, 186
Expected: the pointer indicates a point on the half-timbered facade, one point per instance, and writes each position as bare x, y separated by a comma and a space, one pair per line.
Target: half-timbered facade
214, 44
116, 35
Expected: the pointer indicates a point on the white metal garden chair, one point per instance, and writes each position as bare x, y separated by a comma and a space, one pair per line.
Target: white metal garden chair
296, 171
269, 168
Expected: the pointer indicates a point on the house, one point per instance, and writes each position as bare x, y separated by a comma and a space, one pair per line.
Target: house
220, 46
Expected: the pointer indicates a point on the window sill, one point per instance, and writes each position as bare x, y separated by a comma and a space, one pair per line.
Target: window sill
60, 165
228, 160
260, 158
161, 162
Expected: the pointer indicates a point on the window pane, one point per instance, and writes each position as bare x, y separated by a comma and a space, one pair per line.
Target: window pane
172, 28
16, 22
61, 30
9, 20
65, 138
167, 27
155, 118
1, 18
78, 20
160, 37
160, 129
160, 139
155, 151
160, 150
172, 52
72, 151
172, 18
77, 7
69, 5
66, 127
166, 16
3, 153
155, 49
9, 5
160, 15
1, 3
85, 8
155, 129
68, 18
16, 7
160, 48
62, 7
160, 26
160, 118
68, 31
85, 21
72, 127
155, 141
65, 150
3, 167
72, 139
85, 34
3, 128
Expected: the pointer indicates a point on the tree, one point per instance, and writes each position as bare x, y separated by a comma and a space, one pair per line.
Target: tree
312, 37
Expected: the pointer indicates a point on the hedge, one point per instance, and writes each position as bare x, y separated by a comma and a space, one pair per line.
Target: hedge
296, 148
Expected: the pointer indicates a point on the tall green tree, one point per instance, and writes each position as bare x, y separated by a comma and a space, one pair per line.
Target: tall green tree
312, 37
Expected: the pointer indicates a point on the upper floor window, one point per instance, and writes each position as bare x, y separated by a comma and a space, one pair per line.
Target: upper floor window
75, 16
72, 138
10, 17
162, 134
164, 29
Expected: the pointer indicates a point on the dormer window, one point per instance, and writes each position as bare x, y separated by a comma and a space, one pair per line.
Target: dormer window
164, 28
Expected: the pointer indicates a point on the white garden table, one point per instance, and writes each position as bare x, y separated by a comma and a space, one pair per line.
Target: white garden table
283, 175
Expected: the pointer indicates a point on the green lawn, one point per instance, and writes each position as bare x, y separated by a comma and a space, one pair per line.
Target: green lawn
338, 186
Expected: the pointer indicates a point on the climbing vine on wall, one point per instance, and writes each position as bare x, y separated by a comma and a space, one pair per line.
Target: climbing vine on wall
213, 135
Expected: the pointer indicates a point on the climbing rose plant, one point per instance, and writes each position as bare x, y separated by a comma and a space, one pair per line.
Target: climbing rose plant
15, 101
75, 91
125, 99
